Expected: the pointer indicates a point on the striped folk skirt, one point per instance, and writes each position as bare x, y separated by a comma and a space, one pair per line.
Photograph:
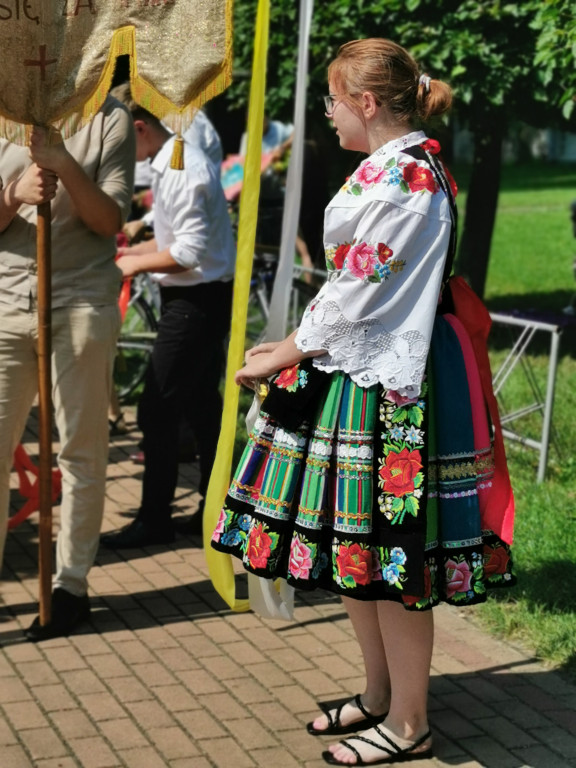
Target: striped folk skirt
374, 496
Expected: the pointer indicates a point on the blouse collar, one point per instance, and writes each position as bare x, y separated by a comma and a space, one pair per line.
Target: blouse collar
397, 145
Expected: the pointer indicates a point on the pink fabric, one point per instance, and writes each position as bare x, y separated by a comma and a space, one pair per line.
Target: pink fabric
474, 316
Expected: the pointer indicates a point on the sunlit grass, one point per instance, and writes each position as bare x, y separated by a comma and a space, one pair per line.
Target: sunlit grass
531, 268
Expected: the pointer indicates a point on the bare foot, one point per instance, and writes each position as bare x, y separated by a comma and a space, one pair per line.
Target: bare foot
387, 747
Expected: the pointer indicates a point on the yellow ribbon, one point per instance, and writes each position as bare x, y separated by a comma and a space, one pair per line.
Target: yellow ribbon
219, 564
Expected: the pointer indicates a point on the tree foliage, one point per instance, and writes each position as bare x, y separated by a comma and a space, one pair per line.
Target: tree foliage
506, 61
555, 24
486, 49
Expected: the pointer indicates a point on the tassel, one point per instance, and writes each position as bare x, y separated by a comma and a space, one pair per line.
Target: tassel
177, 161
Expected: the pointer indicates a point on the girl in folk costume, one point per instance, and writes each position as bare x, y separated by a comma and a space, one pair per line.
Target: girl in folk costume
375, 469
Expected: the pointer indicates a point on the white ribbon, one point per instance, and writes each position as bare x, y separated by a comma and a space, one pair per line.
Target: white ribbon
275, 600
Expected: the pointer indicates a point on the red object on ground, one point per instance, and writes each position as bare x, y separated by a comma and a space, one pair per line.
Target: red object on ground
29, 489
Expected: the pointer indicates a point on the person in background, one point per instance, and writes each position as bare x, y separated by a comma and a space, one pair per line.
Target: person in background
369, 470
201, 134
192, 257
88, 179
276, 138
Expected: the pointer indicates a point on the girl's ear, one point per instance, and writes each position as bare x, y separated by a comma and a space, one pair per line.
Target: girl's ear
369, 105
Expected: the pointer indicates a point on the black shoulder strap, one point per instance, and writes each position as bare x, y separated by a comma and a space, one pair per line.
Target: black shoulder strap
438, 170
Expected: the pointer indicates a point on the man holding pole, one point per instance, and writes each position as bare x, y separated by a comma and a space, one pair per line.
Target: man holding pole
89, 181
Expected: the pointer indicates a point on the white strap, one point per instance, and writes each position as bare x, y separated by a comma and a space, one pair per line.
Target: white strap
280, 302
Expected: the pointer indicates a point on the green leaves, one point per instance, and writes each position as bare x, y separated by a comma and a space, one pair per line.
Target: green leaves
512, 57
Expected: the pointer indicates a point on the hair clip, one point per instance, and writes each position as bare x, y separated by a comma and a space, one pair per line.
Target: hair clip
425, 81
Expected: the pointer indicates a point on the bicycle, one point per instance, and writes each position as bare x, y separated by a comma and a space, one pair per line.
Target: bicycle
137, 335
261, 284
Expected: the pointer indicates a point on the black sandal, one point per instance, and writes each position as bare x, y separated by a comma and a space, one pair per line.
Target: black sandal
118, 425
394, 753
335, 727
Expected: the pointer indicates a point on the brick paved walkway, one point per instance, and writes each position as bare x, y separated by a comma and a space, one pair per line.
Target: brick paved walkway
166, 675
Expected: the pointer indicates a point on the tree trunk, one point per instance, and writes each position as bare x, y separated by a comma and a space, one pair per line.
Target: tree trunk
474, 251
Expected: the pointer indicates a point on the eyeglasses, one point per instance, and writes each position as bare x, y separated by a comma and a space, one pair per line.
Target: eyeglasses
329, 102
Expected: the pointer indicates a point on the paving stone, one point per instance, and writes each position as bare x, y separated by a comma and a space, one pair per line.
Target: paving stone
42, 742
15, 757
123, 733
226, 752
489, 753
25, 714
94, 753
172, 742
170, 677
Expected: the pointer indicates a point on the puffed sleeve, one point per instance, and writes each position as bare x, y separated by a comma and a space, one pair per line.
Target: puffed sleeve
387, 246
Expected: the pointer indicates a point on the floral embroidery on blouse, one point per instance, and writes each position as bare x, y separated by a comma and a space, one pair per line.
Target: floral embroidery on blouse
292, 378
365, 261
410, 177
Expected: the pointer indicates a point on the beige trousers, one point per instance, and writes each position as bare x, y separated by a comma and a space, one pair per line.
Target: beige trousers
83, 350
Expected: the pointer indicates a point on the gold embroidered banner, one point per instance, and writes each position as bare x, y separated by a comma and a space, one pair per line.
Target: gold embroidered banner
58, 59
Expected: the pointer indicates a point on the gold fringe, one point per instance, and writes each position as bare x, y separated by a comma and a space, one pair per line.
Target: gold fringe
177, 160
123, 44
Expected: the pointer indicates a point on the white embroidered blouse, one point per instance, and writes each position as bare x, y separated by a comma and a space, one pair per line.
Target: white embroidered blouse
386, 236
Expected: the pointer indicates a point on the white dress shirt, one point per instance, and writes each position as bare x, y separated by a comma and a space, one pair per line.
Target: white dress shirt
191, 218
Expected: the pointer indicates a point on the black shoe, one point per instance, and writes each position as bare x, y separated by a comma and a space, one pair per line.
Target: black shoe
138, 534
192, 526
68, 611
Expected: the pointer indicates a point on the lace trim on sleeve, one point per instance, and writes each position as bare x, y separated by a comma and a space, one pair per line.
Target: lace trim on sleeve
364, 349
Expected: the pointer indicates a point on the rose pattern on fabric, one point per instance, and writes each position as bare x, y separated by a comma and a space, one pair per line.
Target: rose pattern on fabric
368, 174
217, 533
429, 596
335, 258
353, 565
497, 564
259, 547
301, 558
411, 177
464, 579
366, 261
401, 470
292, 378
418, 178
361, 261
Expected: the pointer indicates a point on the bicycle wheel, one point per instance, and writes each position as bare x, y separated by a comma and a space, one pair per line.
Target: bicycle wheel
302, 294
134, 347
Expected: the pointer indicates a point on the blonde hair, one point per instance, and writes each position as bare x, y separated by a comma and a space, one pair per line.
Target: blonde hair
123, 94
391, 74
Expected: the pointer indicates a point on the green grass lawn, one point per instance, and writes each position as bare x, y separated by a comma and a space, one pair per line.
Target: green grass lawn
531, 268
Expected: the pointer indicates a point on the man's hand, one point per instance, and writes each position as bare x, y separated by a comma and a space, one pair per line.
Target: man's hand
130, 265
132, 230
35, 186
51, 157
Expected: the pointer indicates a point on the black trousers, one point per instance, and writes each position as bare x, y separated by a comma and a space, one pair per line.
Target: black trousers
183, 376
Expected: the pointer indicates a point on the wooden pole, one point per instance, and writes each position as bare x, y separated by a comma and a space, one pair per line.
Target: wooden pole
44, 259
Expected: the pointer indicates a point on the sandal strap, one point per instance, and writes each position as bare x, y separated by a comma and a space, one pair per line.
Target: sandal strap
354, 751
358, 701
334, 719
402, 750
394, 750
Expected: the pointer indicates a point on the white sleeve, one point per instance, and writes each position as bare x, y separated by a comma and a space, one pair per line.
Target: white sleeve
375, 314
189, 215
